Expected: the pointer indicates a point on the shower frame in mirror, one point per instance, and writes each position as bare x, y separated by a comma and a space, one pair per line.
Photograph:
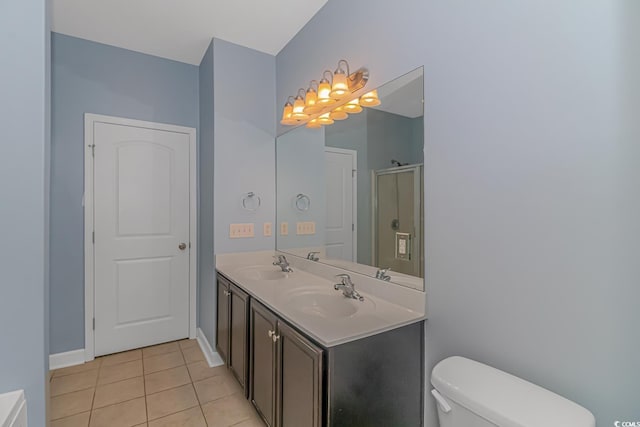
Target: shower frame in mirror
405, 101
418, 218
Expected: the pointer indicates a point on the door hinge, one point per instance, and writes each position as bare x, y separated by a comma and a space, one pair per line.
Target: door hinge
94, 323
93, 237
189, 245
354, 172
353, 227
93, 150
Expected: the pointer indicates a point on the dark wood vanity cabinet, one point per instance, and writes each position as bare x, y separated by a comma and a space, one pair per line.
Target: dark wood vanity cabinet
286, 372
232, 337
376, 381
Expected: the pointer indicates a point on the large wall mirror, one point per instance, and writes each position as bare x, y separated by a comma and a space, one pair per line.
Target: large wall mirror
351, 194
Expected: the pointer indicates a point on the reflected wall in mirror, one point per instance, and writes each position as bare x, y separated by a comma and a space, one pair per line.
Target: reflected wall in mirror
351, 194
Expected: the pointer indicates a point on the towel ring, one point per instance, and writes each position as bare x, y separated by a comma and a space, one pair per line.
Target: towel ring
303, 202
247, 201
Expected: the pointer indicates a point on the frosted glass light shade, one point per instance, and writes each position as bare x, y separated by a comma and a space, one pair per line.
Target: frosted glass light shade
286, 115
338, 114
370, 99
314, 124
311, 102
325, 119
298, 109
340, 86
353, 106
324, 93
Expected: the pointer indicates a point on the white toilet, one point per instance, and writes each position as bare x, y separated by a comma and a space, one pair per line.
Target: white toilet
470, 394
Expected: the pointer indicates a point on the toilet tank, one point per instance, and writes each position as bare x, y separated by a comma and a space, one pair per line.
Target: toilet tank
471, 394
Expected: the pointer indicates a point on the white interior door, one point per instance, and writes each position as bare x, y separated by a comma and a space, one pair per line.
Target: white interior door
341, 203
141, 221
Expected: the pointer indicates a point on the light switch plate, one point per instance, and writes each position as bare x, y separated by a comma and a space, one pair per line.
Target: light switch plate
266, 229
241, 231
305, 228
284, 228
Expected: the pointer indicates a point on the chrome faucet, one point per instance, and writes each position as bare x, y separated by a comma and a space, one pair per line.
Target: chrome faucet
283, 264
347, 287
382, 274
313, 256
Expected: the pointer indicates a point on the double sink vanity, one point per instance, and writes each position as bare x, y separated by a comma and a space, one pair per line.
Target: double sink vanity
309, 352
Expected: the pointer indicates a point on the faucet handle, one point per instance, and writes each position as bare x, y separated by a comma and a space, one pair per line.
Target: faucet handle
345, 278
382, 273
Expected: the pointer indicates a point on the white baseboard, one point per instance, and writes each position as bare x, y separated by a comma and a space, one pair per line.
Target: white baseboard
213, 358
68, 358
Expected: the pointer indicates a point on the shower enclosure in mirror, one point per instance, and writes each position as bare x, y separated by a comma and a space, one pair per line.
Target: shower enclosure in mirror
351, 194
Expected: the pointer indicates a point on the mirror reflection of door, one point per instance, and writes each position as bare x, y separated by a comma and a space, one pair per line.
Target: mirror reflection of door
341, 192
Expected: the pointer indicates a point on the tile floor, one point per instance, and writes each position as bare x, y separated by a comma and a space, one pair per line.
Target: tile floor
164, 385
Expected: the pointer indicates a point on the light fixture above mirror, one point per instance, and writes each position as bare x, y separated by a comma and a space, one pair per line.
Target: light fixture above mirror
330, 99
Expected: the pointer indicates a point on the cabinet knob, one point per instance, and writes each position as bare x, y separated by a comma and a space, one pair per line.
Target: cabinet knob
226, 293
275, 337
182, 246
271, 334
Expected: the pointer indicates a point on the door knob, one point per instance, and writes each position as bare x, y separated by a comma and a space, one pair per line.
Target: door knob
182, 246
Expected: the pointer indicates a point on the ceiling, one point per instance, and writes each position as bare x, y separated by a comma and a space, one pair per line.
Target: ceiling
182, 30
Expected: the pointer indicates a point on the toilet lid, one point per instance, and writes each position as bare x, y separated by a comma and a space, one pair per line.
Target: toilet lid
504, 399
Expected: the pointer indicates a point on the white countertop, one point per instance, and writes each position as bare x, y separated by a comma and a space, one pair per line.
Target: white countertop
385, 307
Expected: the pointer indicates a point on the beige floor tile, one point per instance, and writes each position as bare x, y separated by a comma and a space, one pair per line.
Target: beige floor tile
166, 379
84, 367
73, 382
171, 401
188, 343
163, 361
125, 414
126, 356
227, 411
201, 370
79, 420
251, 422
190, 418
216, 387
69, 404
122, 371
121, 391
160, 349
193, 354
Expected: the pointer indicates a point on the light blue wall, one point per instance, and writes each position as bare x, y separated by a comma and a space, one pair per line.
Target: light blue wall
300, 162
206, 266
24, 222
531, 177
244, 120
89, 77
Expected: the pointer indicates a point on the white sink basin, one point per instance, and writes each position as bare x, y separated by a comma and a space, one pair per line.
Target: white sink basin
263, 272
320, 303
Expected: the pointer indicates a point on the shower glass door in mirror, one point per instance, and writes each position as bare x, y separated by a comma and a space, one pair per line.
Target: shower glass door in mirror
351, 194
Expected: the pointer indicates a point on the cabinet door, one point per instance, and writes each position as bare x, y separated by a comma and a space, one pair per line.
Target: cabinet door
222, 334
300, 388
263, 362
238, 328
